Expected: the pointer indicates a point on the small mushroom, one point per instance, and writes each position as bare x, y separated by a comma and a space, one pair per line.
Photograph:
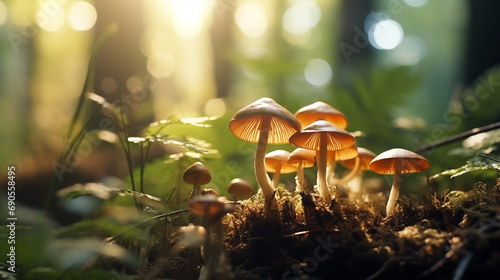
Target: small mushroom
212, 210
264, 122
321, 111
197, 174
397, 161
277, 163
357, 165
240, 189
303, 158
322, 136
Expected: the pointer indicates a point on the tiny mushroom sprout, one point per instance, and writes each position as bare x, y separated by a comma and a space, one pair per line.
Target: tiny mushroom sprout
322, 136
197, 174
240, 189
277, 163
303, 158
321, 111
357, 165
264, 122
397, 161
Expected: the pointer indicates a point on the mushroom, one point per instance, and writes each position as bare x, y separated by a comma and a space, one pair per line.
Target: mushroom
397, 161
321, 111
264, 122
240, 189
303, 158
277, 163
334, 156
197, 174
212, 210
322, 136
357, 165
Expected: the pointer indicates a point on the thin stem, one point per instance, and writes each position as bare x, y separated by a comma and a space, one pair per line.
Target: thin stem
459, 136
277, 175
349, 176
393, 196
260, 164
321, 156
300, 177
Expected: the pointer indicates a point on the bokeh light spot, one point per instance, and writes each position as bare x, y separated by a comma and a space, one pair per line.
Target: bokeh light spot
416, 3
82, 15
301, 17
215, 107
161, 64
385, 34
318, 72
251, 19
3, 13
108, 85
188, 17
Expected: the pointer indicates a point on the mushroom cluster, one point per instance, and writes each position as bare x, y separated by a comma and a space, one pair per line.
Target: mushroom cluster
318, 133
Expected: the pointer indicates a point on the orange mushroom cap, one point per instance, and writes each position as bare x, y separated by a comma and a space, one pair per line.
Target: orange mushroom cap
365, 157
344, 154
321, 111
387, 162
246, 123
281, 157
304, 155
309, 137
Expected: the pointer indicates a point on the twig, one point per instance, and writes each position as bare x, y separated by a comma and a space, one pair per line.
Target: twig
459, 136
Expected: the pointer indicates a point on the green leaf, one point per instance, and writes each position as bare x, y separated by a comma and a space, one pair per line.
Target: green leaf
106, 193
470, 166
157, 127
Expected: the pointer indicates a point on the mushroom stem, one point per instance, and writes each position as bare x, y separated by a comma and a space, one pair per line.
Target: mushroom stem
393, 196
349, 176
196, 188
277, 175
300, 177
260, 161
330, 171
321, 155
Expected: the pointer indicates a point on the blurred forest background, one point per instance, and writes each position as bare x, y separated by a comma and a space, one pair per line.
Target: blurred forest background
405, 73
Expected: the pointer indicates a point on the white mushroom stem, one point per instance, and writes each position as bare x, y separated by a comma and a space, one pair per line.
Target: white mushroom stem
349, 176
330, 170
300, 177
260, 160
277, 175
321, 157
393, 196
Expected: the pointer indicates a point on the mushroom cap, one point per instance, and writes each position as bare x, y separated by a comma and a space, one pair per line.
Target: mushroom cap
197, 170
309, 137
273, 158
246, 123
240, 188
207, 204
386, 162
365, 157
321, 111
344, 154
306, 156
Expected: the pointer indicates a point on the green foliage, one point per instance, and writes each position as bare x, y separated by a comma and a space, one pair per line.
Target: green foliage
371, 105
